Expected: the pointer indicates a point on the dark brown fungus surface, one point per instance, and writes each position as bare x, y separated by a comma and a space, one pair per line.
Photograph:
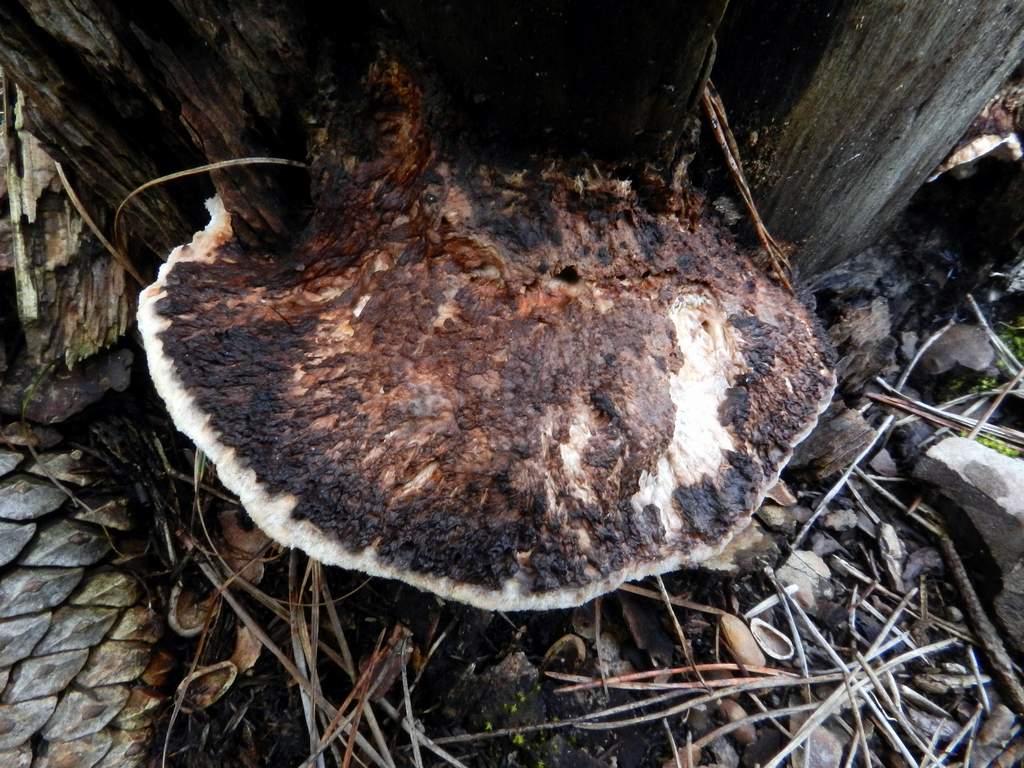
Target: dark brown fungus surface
504, 381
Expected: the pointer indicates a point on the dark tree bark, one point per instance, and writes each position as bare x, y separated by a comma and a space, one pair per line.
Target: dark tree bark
853, 101
847, 106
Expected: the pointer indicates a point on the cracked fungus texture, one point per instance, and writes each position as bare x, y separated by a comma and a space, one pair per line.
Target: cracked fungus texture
487, 378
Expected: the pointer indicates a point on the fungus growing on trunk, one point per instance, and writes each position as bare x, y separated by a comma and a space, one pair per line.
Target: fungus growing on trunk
513, 381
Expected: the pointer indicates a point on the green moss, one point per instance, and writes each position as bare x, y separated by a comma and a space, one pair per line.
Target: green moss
999, 446
1012, 335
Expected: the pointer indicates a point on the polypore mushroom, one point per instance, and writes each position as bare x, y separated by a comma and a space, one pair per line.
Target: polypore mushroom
507, 381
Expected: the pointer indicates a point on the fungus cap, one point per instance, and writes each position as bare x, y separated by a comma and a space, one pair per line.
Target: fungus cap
491, 380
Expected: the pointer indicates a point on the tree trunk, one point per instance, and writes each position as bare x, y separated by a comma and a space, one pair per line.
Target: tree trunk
851, 102
847, 106
72, 297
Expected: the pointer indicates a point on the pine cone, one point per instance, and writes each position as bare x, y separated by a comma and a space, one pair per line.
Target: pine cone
77, 667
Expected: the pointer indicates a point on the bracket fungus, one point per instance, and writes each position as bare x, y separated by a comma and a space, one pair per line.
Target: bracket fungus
513, 381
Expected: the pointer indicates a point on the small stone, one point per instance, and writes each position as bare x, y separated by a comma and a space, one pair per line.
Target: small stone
18, 637
954, 614
115, 661
964, 345
778, 518
128, 749
841, 520
882, 462
740, 643
76, 627
44, 675
114, 589
823, 748
83, 711
29, 590
66, 543
19, 722
811, 576
13, 538
25, 497
85, 752
989, 488
9, 460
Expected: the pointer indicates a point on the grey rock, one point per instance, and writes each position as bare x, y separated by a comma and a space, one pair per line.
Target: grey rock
61, 393
128, 749
13, 538
141, 709
18, 637
112, 588
30, 590
83, 711
811, 576
824, 750
86, 752
9, 460
987, 486
778, 518
19, 757
139, 623
67, 543
965, 345
75, 627
115, 661
841, 520
1009, 605
44, 675
19, 722
26, 497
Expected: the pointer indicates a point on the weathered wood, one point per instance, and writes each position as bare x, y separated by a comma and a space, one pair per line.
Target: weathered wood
124, 93
844, 107
72, 297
